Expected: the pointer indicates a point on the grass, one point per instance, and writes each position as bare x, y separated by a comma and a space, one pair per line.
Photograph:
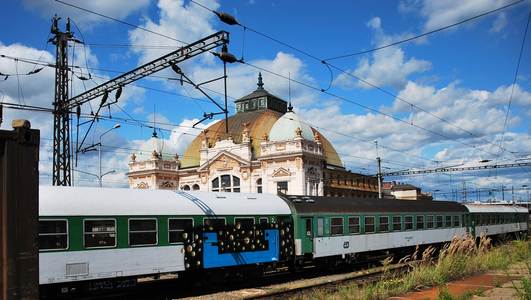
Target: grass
462, 257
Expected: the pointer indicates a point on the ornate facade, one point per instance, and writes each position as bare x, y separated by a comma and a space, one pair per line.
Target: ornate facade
268, 150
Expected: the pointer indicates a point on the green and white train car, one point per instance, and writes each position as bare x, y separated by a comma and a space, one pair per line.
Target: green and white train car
100, 238
492, 220
344, 228
88, 234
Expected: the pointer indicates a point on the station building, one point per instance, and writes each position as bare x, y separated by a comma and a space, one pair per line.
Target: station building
268, 149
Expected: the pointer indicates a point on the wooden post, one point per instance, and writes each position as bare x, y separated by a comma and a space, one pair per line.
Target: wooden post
19, 192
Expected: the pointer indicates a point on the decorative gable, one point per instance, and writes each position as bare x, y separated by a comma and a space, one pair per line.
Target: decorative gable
281, 172
224, 161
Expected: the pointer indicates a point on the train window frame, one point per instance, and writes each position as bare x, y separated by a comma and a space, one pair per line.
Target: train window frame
399, 223
49, 234
222, 218
406, 223
423, 222
243, 218
100, 219
142, 231
373, 224
341, 227
428, 222
441, 223
458, 218
380, 224
446, 223
354, 225
174, 230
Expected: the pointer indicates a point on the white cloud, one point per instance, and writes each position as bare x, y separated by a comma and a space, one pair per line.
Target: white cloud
499, 23
387, 67
170, 23
443, 13
119, 9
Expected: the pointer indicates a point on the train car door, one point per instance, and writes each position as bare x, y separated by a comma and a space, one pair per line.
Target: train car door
307, 230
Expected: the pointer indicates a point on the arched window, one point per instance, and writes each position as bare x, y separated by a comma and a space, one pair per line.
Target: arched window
195, 187
259, 185
185, 187
226, 183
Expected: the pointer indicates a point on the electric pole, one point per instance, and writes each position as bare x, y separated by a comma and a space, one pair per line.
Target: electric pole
379, 162
61, 124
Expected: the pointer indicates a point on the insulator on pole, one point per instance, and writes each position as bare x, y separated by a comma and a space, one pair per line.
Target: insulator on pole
176, 69
118, 93
78, 111
104, 98
226, 18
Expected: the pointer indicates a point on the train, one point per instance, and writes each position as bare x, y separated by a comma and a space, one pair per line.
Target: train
97, 239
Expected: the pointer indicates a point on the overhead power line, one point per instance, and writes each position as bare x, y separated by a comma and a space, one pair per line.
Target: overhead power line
301, 51
458, 169
515, 77
121, 21
426, 33
329, 65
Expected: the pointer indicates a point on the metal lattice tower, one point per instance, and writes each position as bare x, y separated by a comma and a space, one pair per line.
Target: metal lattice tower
61, 125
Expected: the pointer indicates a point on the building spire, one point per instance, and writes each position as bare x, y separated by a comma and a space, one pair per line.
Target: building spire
290, 107
154, 124
260, 84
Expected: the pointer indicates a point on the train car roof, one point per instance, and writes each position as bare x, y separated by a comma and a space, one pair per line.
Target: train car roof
317, 204
92, 201
488, 208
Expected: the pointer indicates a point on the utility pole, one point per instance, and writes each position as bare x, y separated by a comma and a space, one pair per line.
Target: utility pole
464, 192
61, 124
379, 162
503, 193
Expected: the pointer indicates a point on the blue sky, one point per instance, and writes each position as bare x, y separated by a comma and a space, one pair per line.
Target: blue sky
463, 75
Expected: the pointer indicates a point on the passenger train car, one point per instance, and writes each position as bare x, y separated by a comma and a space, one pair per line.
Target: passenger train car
94, 239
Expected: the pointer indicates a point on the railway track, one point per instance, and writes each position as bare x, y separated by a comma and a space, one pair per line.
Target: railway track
301, 286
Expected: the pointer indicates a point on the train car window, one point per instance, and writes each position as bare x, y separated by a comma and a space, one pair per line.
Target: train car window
263, 221
53, 234
336, 226
309, 230
176, 229
142, 232
214, 223
420, 222
439, 221
448, 221
320, 227
397, 223
100, 233
456, 221
354, 225
244, 222
408, 223
384, 224
369, 224
429, 222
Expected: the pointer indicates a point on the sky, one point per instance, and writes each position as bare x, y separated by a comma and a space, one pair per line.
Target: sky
440, 100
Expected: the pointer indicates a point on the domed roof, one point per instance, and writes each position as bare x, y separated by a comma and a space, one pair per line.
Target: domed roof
260, 122
287, 126
264, 114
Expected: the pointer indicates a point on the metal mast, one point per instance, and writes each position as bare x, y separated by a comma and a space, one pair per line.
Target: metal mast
61, 124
